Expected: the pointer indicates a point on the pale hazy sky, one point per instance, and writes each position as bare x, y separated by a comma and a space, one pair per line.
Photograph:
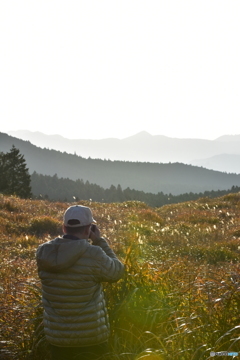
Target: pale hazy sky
113, 68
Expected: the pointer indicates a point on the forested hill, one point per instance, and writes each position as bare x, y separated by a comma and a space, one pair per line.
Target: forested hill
172, 178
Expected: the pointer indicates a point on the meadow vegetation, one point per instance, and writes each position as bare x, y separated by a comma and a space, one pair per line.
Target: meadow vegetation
179, 299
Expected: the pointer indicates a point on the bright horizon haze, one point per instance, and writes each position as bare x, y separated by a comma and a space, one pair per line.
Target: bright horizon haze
101, 69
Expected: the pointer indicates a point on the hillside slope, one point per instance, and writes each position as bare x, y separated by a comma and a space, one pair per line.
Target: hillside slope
146, 147
172, 178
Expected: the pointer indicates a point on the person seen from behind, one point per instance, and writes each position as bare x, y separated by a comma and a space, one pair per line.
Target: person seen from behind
71, 270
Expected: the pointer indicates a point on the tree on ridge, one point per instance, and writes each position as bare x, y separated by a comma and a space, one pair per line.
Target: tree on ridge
15, 178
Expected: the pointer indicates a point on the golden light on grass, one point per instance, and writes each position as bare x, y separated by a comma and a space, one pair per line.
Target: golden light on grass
150, 356
180, 294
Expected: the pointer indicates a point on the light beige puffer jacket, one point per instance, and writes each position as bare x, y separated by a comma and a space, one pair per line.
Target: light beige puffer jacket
71, 272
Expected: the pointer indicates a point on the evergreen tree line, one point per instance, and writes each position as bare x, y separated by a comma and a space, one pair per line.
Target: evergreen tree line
14, 176
65, 189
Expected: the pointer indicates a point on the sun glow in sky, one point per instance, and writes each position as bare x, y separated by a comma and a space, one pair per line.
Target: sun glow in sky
110, 68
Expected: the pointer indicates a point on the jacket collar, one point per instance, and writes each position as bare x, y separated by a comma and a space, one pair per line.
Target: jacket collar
71, 237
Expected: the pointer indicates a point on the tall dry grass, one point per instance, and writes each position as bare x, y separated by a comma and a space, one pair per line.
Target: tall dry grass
179, 298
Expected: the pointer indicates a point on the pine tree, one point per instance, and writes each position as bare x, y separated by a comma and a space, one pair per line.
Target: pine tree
15, 178
3, 177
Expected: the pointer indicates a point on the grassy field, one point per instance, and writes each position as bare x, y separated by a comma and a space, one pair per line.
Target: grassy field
179, 299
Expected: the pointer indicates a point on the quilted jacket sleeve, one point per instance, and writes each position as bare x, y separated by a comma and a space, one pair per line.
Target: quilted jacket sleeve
111, 269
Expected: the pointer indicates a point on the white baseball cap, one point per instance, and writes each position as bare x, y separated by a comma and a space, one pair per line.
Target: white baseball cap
78, 215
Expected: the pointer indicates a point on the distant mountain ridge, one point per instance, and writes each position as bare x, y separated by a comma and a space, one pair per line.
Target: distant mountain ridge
174, 178
228, 162
144, 147
229, 138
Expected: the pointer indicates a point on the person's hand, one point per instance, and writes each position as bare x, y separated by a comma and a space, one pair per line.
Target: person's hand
94, 234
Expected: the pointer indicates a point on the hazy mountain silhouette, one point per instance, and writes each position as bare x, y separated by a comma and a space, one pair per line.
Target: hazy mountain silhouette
172, 178
227, 138
229, 163
220, 154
